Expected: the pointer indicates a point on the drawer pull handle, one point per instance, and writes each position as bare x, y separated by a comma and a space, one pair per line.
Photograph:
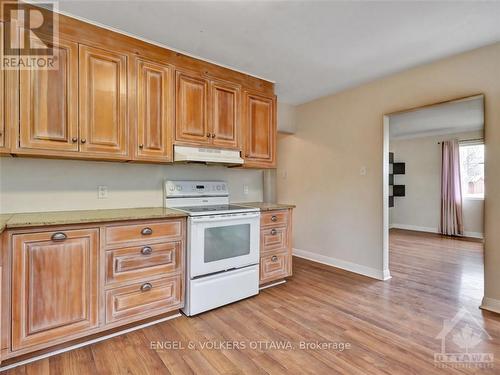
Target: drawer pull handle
146, 250
274, 258
273, 232
274, 218
59, 236
147, 231
146, 287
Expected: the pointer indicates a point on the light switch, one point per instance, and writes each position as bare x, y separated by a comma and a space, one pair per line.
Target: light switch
102, 192
362, 171
245, 189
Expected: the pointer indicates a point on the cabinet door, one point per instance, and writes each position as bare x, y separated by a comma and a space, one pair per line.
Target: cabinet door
103, 102
154, 111
225, 114
49, 102
191, 117
54, 286
260, 130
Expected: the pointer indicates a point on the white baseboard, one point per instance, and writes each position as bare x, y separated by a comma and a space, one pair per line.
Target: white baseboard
491, 304
414, 228
431, 230
348, 266
474, 235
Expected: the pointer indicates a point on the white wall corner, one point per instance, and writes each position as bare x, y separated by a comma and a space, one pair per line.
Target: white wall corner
386, 275
374, 273
490, 304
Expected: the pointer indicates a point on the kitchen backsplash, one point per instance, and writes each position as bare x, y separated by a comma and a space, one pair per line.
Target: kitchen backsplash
33, 185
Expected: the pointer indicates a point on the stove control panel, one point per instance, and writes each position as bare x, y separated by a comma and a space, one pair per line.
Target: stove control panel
195, 188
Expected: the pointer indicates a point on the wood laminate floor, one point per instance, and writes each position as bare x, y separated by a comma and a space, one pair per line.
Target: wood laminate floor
390, 327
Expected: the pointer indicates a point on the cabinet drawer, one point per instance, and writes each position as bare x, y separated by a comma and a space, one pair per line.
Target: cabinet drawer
147, 231
273, 239
274, 218
142, 300
143, 261
273, 267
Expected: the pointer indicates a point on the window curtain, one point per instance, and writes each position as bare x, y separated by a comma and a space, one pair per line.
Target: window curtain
451, 190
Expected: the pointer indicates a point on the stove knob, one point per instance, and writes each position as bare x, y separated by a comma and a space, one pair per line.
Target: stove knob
218, 187
223, 187
171, 188
179, 187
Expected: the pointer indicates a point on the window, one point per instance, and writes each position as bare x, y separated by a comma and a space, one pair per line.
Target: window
472, 170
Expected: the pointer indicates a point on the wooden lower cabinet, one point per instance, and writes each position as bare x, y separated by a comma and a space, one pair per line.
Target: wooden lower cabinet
275, 245
142, 300
54, 286
67, 283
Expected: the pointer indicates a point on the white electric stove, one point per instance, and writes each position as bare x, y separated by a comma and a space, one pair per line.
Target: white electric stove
222, 244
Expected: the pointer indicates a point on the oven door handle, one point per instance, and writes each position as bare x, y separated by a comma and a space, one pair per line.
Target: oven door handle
220, 218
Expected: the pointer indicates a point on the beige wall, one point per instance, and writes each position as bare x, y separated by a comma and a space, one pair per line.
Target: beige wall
340, 212
420, 209
29, 185
287, 118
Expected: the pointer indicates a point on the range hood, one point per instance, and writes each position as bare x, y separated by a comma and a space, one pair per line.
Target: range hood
207, 155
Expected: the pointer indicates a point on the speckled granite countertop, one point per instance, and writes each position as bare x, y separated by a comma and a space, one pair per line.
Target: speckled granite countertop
4, 218
35, 219
263, 206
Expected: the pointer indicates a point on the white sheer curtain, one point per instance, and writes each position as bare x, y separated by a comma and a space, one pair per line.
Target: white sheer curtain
451, 190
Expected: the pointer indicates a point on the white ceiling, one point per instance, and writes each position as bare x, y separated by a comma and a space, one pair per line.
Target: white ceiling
309, 48
448, 118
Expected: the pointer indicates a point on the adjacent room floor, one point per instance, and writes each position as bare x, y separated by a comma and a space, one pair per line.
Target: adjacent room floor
387, 327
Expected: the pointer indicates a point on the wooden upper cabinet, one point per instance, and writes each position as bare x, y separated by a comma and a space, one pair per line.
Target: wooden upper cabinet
155, 112
225, 114
48, 102
259, 130
191, 116
103, 103
54, 286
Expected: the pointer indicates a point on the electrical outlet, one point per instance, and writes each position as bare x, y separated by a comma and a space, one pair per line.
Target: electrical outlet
102, 192
245, 189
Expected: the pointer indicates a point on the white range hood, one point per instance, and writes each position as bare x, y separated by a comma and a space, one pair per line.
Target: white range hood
207, 155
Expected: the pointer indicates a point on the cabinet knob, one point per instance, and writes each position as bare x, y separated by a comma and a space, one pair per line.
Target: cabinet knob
74, 139
141, 146
208, 135
273, 232
274, 218
213, 135
59, 236
146, 250
145, 287
83, 140
146, 231
274, 258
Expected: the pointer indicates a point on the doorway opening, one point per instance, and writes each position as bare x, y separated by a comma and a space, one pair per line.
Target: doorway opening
434, 186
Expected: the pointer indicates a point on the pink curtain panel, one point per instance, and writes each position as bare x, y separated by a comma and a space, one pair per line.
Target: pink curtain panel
451, 190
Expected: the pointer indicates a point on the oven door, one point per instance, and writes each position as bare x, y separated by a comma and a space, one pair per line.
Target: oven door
223, 242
